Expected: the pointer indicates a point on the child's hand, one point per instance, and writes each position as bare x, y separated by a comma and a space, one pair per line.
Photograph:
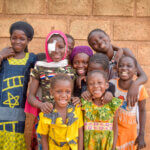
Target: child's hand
76, 100
132, 95
7, 52
107, 97
46, 107
86, 95
140, 142
79, 80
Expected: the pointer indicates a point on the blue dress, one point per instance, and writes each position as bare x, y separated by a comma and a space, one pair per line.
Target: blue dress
14, 78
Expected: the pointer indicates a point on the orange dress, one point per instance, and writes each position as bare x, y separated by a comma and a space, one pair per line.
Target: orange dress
128, 118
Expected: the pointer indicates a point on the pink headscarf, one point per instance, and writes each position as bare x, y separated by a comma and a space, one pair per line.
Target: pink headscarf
48, 58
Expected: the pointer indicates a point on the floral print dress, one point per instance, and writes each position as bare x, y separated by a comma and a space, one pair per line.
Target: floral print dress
98, 124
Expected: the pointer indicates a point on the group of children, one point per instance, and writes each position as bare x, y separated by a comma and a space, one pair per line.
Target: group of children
86, 101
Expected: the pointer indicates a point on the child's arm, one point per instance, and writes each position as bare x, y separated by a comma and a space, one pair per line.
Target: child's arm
44, 141
44, 107
80, 139
142, 120
115, 129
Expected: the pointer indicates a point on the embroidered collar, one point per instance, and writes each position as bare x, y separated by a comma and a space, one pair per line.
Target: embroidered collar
23, 61
71, 117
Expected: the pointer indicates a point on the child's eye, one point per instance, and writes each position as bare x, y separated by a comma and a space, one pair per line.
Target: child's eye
94, 43
84, 63
120, 66
59, 91
99, 83
90, 84
76, 62
22, 39
68, 92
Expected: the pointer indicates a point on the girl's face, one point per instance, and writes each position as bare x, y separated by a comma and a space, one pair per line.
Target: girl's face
97, 85
61, 92
19, 41
99, 42
80, 63
126, 68
59, 45
70, 46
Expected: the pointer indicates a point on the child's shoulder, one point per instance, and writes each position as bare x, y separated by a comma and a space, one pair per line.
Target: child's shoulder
32, 57
45, 118
115, 103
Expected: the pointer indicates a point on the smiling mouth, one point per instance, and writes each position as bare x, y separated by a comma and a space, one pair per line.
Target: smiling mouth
124, 73
80, 71
63, 101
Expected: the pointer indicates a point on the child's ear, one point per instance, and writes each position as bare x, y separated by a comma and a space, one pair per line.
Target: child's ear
28, 40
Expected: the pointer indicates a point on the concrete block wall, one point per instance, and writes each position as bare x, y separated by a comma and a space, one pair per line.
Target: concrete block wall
126, 21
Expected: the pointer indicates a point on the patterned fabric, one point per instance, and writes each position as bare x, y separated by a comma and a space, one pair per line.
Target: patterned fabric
44, 74
14, 77
12, 141
61, 136
127, 122
100, 135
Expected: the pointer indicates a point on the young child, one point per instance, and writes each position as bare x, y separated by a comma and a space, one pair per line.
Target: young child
127, 122
101, 43
71, 43
62, 129
16, 63
79, 59
100, 120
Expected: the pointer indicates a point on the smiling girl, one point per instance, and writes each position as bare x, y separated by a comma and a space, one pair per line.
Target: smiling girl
128, 116
100, 120
62, 129
15, 67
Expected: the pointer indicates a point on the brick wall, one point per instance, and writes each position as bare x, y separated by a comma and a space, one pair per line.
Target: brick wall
126, 21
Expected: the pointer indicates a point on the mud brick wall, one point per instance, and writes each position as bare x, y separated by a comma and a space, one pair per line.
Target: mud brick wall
126, 21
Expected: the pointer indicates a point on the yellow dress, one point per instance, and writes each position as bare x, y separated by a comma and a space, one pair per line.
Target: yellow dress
61, 136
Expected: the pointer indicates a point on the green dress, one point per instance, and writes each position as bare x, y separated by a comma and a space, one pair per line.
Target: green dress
98, 124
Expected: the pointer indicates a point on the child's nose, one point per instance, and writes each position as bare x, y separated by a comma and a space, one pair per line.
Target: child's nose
17, 41
95, 85
80, 65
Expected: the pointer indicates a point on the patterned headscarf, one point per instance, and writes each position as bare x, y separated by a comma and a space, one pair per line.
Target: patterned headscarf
81, 49
48, 58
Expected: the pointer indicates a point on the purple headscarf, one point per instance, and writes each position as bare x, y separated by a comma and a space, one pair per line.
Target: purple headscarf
81, 49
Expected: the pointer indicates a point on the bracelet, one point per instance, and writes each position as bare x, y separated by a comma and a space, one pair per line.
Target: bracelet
1, 57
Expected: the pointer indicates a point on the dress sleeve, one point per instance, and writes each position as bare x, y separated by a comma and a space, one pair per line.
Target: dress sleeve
143, 93
35, 72
115, 104
34, 59
43, 125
